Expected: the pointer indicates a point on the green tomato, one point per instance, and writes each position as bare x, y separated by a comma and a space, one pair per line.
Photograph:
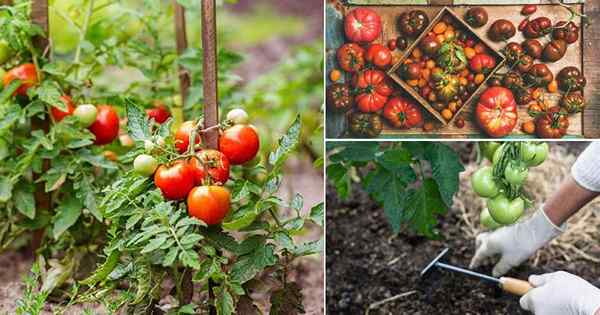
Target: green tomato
86, 114
488, 149
506, 211
487, 221
534, 154
515, 173
483, 183
2, 73
5, 51
238, 116
145, 165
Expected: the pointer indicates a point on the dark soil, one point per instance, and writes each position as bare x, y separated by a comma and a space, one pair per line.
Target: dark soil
366, 263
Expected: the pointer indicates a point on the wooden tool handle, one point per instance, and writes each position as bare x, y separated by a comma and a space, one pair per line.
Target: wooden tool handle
515, 286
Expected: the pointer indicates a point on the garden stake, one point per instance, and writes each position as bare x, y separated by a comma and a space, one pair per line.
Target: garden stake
510, 285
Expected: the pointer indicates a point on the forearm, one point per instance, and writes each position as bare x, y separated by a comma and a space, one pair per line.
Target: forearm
567, 200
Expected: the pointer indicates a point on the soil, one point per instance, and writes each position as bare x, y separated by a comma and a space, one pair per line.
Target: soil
367, 263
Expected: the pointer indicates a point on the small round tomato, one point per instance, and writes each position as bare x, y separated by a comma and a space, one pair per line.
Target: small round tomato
213, 163
515, 173
534, 154
209, 203
160, 113
506, 211
58, 114
26, 73
175, 181
106, 125
238, 116
86, 114
182, 136
483, 183
145, 164
239, 143
487, 221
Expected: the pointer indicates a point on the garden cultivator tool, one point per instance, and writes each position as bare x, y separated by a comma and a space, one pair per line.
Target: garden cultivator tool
510, 285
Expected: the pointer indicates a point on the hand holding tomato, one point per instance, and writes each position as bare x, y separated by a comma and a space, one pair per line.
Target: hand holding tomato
496, 111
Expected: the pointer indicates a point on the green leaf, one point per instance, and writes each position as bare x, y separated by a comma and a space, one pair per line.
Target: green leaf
104, 270
287, 144
317, 213
445, 168
248, 266
308, 248
67, 214
137, 122
170, 257
49, 92
395, 159
224, 302
25, 202
155, 243
243, 217
189, 258
190, 239
6, 187
356, 152
338, 175
208, 268
423, 204
388, 188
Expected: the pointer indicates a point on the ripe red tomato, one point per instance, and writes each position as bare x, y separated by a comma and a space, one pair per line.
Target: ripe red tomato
160, 113
26, 73
106, 126
239, 144
351, 57
402, 113
175, 181
482, 63
379, 55
182, 136
362, 25
209, 203
552, 124
212, 162
58, 114
496, 111
373, 90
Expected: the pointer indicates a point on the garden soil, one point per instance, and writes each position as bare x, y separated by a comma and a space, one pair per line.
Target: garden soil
367, 263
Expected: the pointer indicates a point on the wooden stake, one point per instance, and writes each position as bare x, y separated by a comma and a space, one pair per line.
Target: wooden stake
182, 45
209, 47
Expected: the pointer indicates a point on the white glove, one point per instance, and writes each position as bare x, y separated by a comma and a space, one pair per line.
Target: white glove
515, 243
561, 293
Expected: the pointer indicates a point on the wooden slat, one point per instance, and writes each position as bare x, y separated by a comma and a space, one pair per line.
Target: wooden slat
209, 47
182, 45
591, 55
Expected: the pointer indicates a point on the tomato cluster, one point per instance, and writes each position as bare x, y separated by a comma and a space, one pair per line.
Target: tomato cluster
502, 182
200, 176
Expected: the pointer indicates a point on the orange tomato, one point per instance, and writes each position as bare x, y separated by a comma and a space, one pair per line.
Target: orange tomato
413, 82
440, 28
553, 86
432, 97
426, 74
335, 75
428, 126
464, 72
470, 52
479, 78
463, 81
449, 34
416, 53
430, 64
447, 114
453, 107
422, 83
440, 38
528, 127
536, 94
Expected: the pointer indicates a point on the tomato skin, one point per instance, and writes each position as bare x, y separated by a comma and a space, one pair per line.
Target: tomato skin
160, 113
351, 57
209, 203
86, 114
27, 73
58, 114
174, 181
145, 164
482, 63
182, 136
534, 154
239, 144
515, 174
106, 126
483, 183
496, 111
402, 113
374, 90
506, 211
489, 148
211, 162
238, 116
362, 25
487, 221
379, 55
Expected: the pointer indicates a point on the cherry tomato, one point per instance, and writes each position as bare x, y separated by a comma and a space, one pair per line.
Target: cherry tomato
515, 173
106, 126
534, 154
505, 211
182, 136
238, 116
160, 113
175, 181
487, 221
145, 164
27, 73
58, 114
211, 162
483, 183
239, 143
86, 114
209, 203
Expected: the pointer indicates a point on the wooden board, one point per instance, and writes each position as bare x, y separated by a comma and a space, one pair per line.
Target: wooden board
389, 14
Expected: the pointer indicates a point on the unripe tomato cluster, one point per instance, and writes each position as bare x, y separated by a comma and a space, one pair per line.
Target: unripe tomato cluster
200, 176
501, 183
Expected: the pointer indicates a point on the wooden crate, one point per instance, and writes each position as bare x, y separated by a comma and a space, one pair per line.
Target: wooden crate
394, 75
335, 11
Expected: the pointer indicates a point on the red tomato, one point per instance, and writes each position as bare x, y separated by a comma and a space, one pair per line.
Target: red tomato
402, 113
482, 63
106, 126
160, 113
212, 162
175, 181
26, 73
362, 25
182, 136
239, 144
351, 57
373, 90
497, 111
58, 114
379, 55
209, 203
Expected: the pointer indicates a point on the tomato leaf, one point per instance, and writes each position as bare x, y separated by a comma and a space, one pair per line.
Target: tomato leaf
6, 187
287, 144
49, 92
248, 266
356, 152
317, 213
224, 301
25, 201
67, 214
445, 167
137, 122
338, 175
422, 205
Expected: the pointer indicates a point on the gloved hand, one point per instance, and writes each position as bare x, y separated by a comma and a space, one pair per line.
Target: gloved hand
561, 293
515, 243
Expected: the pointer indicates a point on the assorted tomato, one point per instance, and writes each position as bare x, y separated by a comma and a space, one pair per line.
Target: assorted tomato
373, 90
